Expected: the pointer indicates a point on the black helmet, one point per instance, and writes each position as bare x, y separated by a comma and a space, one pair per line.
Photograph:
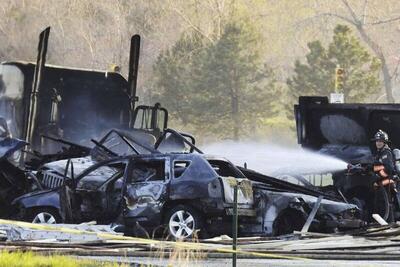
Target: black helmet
381, 136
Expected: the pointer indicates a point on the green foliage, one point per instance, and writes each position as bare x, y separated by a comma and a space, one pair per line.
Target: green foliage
317, 75
219, 87
175, 71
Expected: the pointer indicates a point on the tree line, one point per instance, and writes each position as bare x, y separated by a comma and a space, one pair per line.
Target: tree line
225, 69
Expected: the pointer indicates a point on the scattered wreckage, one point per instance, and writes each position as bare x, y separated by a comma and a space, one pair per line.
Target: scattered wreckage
343, 131
169, 182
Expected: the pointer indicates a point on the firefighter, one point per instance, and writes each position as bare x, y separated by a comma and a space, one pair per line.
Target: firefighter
385, 172
383, 164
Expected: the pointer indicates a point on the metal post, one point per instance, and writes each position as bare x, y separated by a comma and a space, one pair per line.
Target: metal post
312, 215
235, 223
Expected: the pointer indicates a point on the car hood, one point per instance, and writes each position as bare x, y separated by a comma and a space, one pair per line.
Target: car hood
80, 164
34, 193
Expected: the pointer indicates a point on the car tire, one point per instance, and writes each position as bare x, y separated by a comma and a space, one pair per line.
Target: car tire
288, 221
44, 216
183, 222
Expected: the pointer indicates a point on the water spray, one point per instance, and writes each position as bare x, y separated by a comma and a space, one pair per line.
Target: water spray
272, 159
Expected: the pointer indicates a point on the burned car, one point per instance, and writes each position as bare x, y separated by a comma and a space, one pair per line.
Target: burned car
98, 187
146, 186
285, 207
182, 191
12, 181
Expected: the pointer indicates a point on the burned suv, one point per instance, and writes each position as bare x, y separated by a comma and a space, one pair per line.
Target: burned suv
184, 191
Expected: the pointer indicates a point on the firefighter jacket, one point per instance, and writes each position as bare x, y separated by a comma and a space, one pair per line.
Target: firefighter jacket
384, 165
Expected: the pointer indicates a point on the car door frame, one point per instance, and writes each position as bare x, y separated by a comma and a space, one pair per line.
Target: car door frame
68, 192
146, 213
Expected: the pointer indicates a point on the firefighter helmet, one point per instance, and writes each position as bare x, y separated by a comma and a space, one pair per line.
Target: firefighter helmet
381, 136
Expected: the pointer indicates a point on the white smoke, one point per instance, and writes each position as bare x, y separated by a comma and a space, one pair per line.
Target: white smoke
12, 82
273, 159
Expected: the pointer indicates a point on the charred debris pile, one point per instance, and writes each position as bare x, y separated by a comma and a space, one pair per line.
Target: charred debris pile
378, 243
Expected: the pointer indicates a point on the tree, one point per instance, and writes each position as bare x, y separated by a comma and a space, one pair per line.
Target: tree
240, 87
220, 86
317, 75
363, 21
174, 72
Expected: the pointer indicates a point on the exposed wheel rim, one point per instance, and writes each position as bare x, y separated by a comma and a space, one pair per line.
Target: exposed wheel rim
181, 224
44, 217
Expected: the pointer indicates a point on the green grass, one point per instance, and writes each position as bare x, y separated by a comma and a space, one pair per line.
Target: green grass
31, 259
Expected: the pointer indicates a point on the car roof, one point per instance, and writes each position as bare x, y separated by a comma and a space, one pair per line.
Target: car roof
180, 155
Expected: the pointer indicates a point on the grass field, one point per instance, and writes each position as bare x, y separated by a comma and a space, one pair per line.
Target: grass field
30, 259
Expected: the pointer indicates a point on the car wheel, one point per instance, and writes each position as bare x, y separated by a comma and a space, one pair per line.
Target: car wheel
183, 222
47, 216
288, 221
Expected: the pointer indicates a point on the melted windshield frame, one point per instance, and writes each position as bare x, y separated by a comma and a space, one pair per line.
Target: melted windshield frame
99, 151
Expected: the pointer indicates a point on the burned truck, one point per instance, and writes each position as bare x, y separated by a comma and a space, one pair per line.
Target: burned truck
73, 104
344, 131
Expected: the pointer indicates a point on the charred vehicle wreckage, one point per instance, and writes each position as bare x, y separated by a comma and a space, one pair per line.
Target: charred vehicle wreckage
117, 163
170, 183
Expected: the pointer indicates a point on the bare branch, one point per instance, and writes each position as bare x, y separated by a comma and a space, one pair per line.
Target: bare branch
2, 29
194, 27
384, 21
86, 36
380, 98
351, 11
364, 14
340, 17
395, 72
